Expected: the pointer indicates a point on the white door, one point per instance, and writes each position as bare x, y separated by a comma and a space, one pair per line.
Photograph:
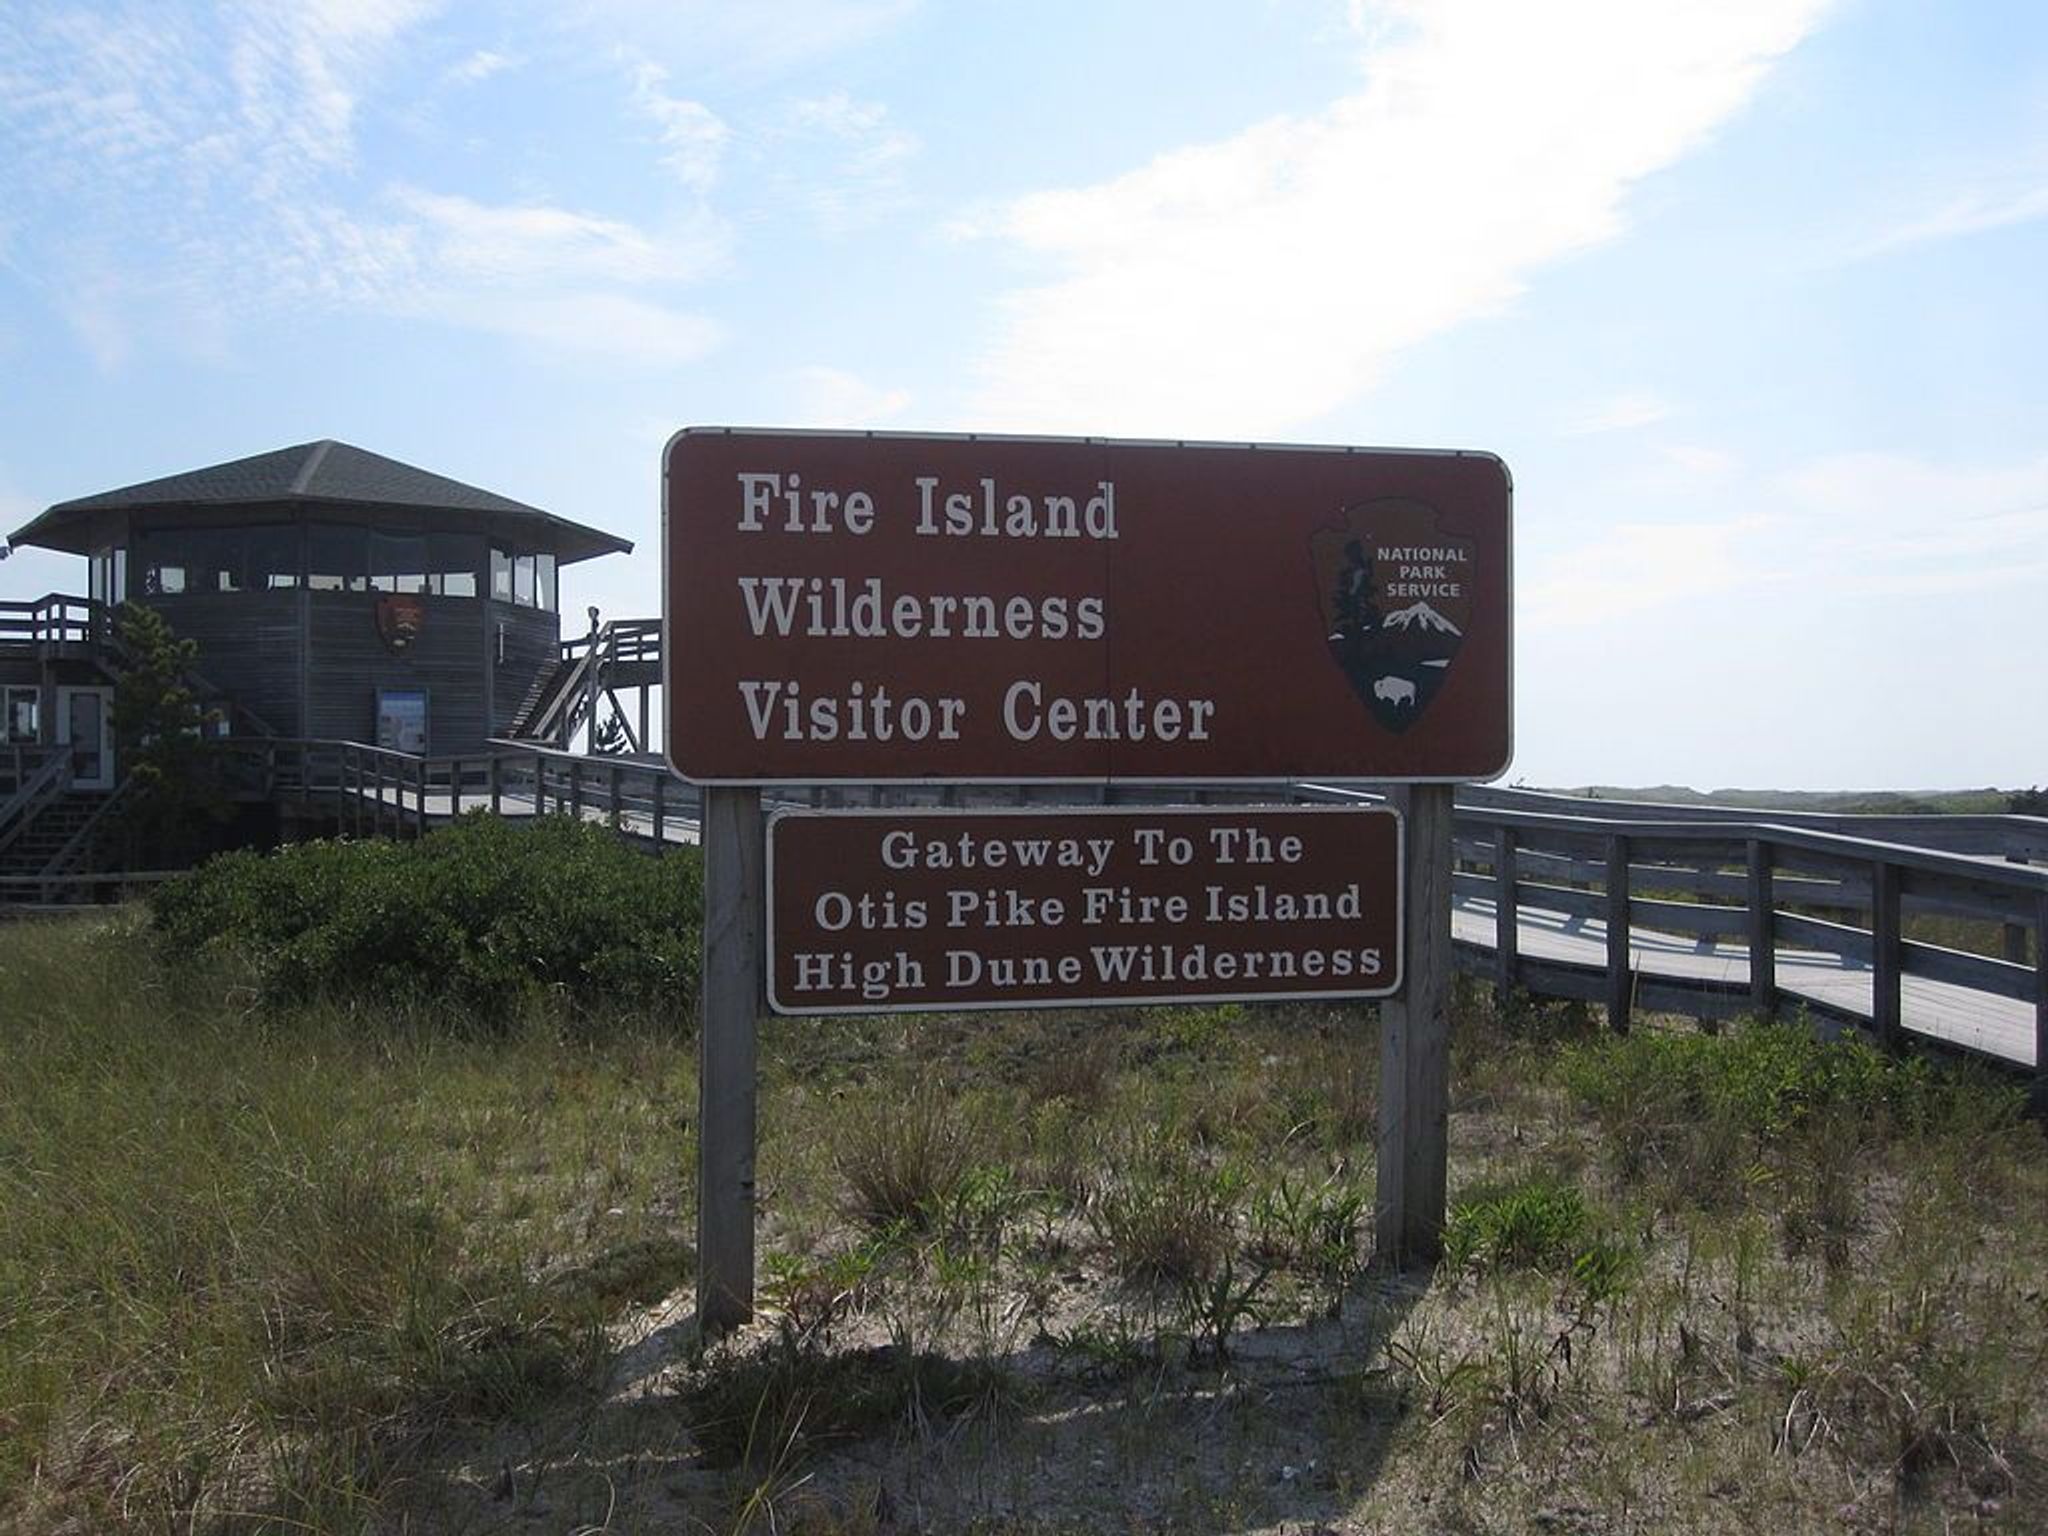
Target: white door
83, 726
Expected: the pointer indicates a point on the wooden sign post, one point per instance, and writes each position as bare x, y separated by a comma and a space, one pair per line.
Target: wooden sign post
730, 989
1415, 1105
887, 608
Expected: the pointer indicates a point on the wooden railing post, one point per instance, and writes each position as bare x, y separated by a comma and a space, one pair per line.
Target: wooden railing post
615, 814
539, 784
660, 793
2041, 1002
1763, 931
1619, 982
1884, 953
2016, 933
576, 788
497, 783
1507, 919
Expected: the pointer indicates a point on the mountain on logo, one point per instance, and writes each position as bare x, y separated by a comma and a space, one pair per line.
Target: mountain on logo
1421, 616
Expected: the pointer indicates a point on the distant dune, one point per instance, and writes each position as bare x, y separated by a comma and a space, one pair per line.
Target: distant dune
1878, 802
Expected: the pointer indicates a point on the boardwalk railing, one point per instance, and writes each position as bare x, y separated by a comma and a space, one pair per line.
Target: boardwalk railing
53, 625
375, 791
1705, 914
1734, 905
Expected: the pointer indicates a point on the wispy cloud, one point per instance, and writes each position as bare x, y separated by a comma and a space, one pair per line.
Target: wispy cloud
832, 397
189, 172
617, 327
480, 66
1242, 287
1619, 414
1634, 568
693, 137
861, 157
1972, 212
536, 241
1851, 525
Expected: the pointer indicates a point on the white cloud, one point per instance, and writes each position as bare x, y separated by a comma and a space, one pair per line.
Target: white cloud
617, 327
188, 172
480, 66
1634, 568
1852, 525
535, 242
759, 37
1238, 288
1974, 212
1698, 460
1885, 522
1620, 414
863, 155
832, 397
693, 137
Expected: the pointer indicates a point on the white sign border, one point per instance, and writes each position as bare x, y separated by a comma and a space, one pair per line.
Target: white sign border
668, 650
785, 813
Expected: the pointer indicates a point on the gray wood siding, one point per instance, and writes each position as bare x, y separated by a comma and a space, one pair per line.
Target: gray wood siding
348, 663
248, 648
532, 640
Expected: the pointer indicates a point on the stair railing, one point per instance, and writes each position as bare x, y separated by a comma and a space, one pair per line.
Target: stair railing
46, 784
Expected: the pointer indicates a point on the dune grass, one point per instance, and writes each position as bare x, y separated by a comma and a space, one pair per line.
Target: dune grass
303, 1265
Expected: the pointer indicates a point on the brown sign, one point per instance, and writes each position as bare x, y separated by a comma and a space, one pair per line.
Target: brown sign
902, 911
878, 607
401, 619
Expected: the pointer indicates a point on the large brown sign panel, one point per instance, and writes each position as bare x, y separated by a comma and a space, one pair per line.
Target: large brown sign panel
901, 911
876, 607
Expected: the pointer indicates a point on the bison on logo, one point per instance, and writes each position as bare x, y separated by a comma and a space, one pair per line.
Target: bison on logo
1396, 597
400, 619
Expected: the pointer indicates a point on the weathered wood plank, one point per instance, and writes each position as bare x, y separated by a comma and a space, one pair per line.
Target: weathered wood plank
730, 998
1885, 960
1763, 980
1414, 1109
1618, 978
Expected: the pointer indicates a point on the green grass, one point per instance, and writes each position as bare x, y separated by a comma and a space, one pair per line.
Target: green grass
249, 1259
347, 1265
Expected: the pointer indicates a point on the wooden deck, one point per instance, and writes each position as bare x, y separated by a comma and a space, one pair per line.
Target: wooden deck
1835, 986
1614, 904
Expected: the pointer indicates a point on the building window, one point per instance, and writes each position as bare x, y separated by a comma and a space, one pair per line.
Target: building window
109, 575
398, 562
273, 557
220, 561
337, 558
20, 714
164, 575
544, 581
501, 573
452, 563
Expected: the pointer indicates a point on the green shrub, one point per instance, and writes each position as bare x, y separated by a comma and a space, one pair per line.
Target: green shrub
1770, 1079
487, 916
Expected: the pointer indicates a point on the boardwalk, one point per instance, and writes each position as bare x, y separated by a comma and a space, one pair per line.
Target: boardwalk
1685, 956
1975, 1021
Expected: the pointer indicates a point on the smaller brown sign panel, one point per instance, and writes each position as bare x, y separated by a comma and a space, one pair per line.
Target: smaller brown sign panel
902, 911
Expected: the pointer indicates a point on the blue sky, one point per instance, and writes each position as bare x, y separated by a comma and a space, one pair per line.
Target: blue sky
1748, 294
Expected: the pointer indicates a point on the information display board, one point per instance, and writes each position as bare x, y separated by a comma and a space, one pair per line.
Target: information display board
876, 911
886, 608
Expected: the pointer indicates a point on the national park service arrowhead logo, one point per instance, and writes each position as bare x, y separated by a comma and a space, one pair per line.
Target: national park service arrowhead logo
401, 617
1396, 599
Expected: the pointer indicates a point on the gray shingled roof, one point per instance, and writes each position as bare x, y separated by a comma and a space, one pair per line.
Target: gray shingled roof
325, 472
